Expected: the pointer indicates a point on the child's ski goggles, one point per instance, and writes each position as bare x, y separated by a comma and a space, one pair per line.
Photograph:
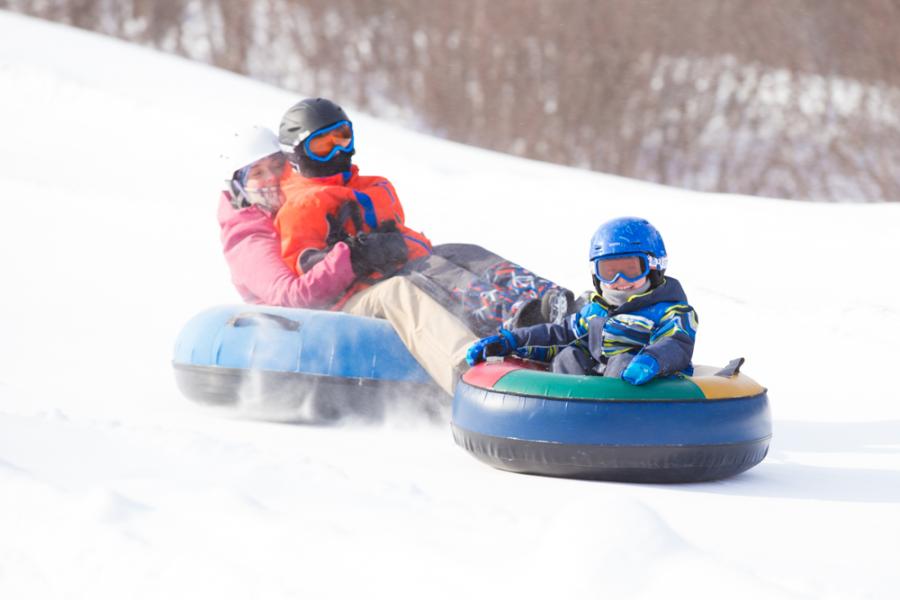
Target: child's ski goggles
328, 141
630, 267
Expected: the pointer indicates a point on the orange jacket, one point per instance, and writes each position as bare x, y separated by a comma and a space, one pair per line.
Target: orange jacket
303, 226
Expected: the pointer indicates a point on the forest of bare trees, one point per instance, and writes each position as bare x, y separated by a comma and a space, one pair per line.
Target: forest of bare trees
786, 98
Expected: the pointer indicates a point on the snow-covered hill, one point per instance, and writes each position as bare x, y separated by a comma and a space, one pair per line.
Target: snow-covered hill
112, 485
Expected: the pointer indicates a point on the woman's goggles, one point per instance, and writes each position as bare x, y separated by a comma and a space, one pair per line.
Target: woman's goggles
328, 141
631, 268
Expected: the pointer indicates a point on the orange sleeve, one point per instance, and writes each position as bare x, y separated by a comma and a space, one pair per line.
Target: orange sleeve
301, 228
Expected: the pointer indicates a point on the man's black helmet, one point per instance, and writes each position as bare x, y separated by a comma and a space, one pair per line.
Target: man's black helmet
306, 117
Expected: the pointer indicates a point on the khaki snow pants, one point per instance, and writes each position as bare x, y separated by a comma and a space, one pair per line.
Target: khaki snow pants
435, 337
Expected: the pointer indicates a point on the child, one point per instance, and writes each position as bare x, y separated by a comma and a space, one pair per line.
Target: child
327, 201
637, 326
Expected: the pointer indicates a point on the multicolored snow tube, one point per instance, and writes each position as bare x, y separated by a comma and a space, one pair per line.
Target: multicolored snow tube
516, 417
314, 365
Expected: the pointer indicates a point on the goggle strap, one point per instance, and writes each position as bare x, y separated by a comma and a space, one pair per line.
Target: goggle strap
659, 264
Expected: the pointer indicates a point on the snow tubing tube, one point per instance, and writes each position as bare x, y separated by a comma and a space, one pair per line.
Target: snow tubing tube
316, 365
671, 430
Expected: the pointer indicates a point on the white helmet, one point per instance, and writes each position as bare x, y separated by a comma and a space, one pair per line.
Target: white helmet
244, 148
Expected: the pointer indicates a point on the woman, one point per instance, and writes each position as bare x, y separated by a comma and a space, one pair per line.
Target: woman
247, 205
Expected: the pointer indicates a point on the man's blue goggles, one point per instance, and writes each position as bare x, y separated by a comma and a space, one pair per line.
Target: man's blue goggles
325, 143
630, 267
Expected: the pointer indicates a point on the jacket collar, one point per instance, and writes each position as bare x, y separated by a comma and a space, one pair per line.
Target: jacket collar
342, 178
669, 291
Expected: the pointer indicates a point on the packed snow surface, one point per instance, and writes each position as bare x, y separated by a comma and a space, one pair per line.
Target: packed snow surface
112, 485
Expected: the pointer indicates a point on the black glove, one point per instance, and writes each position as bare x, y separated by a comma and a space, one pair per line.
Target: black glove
389, 226
377, 251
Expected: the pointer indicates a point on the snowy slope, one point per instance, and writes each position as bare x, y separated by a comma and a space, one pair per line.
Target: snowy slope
112, 485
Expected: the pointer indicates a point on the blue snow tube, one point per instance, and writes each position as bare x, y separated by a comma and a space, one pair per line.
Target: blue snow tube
517, 417
326, 363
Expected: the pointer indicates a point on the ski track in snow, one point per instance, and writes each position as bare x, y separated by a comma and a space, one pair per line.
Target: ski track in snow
115, 486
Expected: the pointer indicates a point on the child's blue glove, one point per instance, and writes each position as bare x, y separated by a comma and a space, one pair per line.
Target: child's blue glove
495, 345
641, 369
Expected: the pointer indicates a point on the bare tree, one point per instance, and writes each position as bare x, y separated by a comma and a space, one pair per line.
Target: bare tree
797, 99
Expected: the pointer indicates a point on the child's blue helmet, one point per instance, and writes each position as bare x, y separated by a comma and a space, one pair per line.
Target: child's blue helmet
628, 235
631, 236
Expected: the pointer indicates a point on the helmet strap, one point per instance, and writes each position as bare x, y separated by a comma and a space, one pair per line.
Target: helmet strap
239, 197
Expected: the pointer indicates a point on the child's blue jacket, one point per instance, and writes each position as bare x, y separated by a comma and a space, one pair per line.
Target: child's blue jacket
658, 322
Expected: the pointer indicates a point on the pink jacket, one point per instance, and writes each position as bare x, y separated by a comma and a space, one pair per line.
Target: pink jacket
252, 250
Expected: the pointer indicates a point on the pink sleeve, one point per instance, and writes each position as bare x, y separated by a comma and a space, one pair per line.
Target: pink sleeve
252, 250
